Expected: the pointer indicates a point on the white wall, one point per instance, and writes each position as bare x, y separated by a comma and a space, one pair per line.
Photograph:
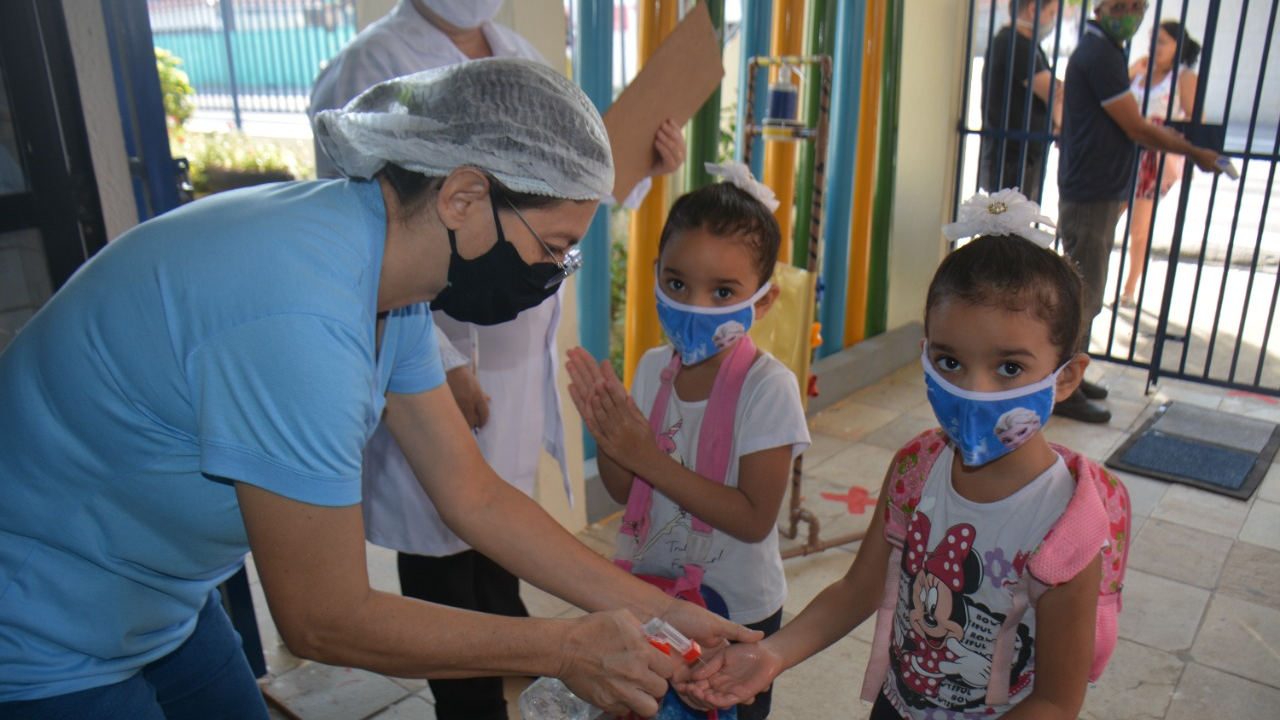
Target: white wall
87, 31
928, 109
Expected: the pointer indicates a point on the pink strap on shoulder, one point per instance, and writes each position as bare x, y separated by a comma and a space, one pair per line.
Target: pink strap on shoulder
1079, 534
715, 442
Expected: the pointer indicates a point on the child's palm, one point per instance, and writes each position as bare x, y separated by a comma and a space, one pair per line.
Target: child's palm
735, 676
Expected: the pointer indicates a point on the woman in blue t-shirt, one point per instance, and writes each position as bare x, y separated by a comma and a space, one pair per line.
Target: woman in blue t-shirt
204, 387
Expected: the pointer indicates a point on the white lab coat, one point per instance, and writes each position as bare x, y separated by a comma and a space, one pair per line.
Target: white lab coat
516, 361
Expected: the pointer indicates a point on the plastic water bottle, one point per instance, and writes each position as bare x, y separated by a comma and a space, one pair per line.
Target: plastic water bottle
550, 699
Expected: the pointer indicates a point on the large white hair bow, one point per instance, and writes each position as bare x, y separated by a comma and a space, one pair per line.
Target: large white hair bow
740, 175
1006, 212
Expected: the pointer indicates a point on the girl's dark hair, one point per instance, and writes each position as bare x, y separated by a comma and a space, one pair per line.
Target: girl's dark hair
724, 209
413, 190
1015, 275
1190, 48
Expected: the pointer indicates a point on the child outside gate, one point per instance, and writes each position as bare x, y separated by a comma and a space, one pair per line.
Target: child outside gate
989, 546
703, 475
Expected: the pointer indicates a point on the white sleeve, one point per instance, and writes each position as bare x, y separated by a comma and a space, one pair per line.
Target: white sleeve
450, 356
770, 413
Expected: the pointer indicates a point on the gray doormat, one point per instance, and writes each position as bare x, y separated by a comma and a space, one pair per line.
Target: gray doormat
1209, 449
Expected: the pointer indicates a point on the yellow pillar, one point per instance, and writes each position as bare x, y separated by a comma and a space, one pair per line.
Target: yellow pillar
864, 176
780, 157
657, 18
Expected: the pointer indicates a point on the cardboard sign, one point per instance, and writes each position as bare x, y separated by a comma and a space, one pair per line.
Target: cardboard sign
674, 83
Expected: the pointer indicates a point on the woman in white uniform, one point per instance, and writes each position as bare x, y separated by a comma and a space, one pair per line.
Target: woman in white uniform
503, 376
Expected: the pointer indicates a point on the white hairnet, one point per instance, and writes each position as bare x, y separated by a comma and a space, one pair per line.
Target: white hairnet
519, 120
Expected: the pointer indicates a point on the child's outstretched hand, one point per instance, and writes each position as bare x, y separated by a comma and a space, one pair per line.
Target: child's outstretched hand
732, 676
620, 429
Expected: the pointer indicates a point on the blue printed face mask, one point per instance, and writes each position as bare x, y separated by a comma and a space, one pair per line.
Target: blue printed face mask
697, 332
986, 425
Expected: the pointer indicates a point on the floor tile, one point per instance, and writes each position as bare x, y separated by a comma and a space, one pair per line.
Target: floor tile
1201, 509
1240, 638
809, 575
1138, 684
1262, 527
1161, 613
324, 692
1251, 405
852, 421
1190, 393
896, 397
901, 431
825, 685
821, 447
1269, 490
411, 708
1177, 552
1205, 692
1144, 492
1093, 440
1252, 573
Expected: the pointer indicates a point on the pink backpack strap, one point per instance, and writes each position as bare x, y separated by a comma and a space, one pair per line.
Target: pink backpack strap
910, 469
715, 444
1099, 517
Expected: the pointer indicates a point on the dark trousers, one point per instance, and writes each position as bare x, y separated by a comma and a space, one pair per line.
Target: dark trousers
883, 710
470, 581
1088, 233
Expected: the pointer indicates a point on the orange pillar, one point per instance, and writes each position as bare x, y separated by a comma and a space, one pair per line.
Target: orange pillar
864, 176
657, 18
780, 157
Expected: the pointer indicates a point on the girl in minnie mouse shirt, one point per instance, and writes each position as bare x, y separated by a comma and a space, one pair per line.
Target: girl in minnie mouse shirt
1002, 327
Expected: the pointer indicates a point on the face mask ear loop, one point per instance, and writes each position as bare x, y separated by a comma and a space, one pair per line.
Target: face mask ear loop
493, 203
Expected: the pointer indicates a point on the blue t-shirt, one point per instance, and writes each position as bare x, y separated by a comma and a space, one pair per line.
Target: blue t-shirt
231, 339
1097, 156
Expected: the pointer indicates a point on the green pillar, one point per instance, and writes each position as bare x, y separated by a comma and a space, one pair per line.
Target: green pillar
819, 28
704, 128
882, 218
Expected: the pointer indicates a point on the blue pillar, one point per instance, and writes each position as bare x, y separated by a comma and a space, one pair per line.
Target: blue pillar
756, 18
846, 91
593, 69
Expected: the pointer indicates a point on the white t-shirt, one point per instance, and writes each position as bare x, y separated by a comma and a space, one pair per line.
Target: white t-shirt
956, 586
748, 576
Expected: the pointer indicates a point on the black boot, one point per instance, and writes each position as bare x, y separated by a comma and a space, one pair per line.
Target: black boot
1091, 391
1079, 407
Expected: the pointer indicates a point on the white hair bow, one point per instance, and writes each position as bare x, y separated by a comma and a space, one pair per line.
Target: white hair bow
1006, 212
740, 175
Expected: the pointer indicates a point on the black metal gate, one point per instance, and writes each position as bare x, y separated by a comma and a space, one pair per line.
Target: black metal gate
1204, 306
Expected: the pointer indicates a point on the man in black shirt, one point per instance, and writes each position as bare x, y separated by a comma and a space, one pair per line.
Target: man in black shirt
1101, 129
1015, 67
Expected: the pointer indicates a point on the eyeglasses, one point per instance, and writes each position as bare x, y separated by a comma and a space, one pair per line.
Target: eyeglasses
1119, 9
572, 257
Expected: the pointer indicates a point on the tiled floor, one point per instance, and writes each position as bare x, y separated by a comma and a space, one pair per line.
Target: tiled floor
1200, 631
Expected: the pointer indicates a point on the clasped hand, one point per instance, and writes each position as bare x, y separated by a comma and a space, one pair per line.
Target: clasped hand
620, 429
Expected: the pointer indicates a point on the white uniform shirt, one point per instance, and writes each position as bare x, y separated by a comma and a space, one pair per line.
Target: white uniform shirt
516, 361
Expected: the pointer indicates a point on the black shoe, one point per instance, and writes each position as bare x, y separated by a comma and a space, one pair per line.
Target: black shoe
1079, 407
1091, 391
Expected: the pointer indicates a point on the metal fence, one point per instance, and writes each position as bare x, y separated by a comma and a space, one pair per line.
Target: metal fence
252, 55
1205, 307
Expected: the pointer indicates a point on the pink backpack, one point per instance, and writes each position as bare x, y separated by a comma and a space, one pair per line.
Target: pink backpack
1098, 515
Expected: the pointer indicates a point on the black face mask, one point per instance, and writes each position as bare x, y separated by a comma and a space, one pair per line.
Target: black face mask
496, 286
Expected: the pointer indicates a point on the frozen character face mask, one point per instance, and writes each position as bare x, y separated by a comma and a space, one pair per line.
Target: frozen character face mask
698, 332
987, 425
